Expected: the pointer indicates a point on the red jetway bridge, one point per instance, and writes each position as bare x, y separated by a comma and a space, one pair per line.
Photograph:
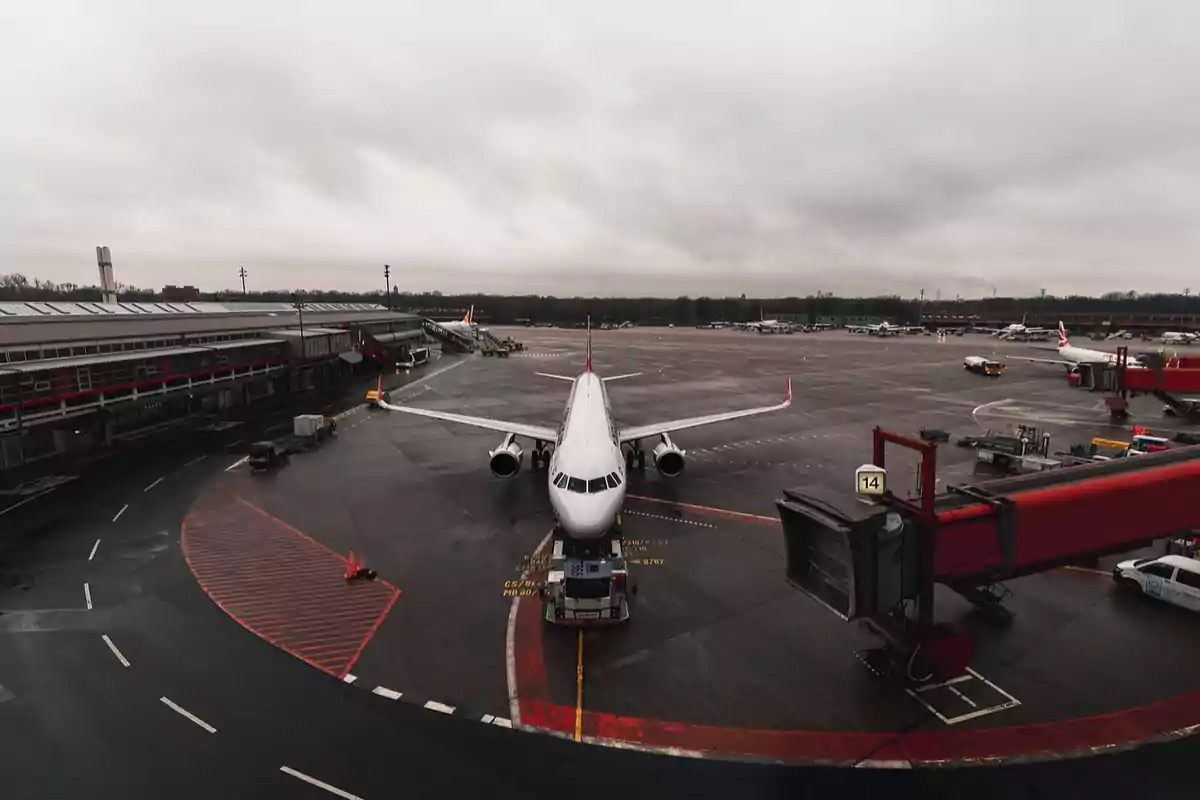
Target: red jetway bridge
880, 562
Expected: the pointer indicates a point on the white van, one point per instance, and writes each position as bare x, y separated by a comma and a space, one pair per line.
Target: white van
1175, 579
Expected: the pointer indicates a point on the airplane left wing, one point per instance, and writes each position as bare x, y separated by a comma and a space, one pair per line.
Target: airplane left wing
537, 432
1060, 361
642, 431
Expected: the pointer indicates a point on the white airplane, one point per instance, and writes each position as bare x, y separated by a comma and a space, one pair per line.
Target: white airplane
465, 326
1072, 356
884, 329
586, 473
1178, 337
763, 325
1015, 330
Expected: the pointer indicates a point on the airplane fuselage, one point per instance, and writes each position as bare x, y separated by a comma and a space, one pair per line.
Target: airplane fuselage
1082, 355
587, 462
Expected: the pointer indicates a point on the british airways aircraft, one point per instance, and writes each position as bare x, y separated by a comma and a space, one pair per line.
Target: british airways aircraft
1072, 356
587, 470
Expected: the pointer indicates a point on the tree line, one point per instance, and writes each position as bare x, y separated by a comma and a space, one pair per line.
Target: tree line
516, 309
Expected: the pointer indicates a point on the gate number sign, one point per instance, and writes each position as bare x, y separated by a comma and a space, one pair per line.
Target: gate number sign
870, 479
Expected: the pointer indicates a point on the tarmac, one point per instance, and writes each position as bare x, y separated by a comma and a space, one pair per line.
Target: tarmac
124, 672
722, 658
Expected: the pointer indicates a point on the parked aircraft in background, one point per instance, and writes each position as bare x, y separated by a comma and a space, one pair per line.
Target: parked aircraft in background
1017, 330
885, 329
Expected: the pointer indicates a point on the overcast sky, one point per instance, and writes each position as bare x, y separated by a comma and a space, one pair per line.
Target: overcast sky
661, 148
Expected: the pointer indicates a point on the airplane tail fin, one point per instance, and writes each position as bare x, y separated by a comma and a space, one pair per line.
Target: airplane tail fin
470, 317
1062, 334
588, 367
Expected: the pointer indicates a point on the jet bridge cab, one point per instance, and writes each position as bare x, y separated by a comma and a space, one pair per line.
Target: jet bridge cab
586, 588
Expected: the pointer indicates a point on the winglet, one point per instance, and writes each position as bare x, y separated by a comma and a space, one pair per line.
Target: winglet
588, 367
788, 400
1062, 334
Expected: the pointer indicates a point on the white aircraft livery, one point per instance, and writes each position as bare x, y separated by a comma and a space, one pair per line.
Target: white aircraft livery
465, 326
587, 470
1072, 356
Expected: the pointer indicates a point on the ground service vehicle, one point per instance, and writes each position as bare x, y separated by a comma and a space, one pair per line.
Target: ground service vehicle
308, 430
1175, 579
586, 586
416, 357
983, 366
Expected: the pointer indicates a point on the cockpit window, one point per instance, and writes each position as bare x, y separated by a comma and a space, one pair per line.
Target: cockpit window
560, 480
576, 485
596, 485
613, 480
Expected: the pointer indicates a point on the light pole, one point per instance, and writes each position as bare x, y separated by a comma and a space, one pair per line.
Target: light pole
242, 275
387, 282
298, 304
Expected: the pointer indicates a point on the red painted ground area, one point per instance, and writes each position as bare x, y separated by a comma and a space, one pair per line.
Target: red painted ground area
280, 584
1052, 739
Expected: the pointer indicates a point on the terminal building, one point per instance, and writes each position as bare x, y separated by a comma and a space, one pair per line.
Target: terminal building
75, 376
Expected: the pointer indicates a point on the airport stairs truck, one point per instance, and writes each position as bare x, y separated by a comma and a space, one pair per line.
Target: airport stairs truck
452, 341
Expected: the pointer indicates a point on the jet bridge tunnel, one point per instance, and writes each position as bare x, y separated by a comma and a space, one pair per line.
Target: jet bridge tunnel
880, 562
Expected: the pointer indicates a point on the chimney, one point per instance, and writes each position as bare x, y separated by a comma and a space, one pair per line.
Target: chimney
108, 285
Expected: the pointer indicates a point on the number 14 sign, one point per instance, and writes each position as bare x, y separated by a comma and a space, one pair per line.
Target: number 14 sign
870, 479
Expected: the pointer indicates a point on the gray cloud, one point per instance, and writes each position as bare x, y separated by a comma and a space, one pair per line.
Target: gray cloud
766, 147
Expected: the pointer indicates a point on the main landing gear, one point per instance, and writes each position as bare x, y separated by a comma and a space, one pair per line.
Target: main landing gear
540, 457
635, 456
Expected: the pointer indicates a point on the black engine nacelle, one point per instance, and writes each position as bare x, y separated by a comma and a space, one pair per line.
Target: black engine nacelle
506, 460
668, 459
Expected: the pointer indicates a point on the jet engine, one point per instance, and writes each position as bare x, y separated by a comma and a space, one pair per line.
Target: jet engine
668, 458
506, 459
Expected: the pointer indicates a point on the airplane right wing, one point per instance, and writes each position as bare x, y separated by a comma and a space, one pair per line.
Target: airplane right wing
536, 432
642, 431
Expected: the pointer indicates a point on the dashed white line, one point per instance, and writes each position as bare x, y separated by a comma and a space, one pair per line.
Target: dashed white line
92, 554
390, 694
184, 712
502, 722
237, 463
119, 513
349, 677
124, 661
87, 595
670, 519
487, 718
195, 460
320, 784
156, 483
434, 705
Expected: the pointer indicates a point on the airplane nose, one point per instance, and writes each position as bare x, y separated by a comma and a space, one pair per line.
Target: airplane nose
585, 517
